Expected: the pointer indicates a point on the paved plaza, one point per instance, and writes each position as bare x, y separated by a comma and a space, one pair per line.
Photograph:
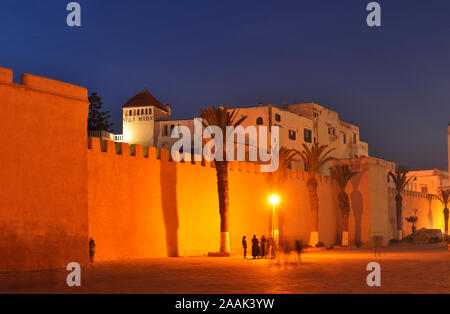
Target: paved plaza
408, 269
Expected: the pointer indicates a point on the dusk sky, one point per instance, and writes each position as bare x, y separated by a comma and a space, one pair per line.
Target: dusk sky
393, 81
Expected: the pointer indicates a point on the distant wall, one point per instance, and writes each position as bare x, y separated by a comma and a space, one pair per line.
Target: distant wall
43, 182
430, 210
142, 207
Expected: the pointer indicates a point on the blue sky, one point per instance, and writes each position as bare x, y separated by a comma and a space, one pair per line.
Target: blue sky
393, 81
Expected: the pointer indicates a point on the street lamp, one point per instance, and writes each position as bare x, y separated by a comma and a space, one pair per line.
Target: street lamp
274, 199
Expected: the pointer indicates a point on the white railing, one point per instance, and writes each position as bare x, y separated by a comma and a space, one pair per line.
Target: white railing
106, 136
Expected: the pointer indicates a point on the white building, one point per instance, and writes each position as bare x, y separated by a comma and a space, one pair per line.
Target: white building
140, 114
428, 181
298, 124
147, 121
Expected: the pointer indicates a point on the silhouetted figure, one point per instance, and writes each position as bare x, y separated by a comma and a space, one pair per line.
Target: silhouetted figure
377, 241
91, 249
263, 247
255, 247
273, 248
268, 244
244, 245
299, 248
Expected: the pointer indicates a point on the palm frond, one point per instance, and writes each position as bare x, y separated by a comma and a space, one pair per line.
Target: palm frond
400, 180
314, 157
342, 174
444, 196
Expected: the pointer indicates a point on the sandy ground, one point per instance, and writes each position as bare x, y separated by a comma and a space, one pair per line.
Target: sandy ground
418, 269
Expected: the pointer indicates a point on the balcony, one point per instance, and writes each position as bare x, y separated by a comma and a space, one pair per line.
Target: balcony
106, 136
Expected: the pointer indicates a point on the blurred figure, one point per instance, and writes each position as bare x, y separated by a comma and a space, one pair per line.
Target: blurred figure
263, 247
268, 247
91, 249
299, 248
273, 248
244, 245
255, 247
377, 241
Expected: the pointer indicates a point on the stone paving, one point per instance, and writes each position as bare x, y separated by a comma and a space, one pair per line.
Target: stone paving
411, 269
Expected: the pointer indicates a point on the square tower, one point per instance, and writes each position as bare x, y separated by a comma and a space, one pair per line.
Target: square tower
139, 116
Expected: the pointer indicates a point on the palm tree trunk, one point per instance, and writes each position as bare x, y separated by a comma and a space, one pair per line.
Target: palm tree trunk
222, 186
446, 212
344, 205
399, 209
314, 205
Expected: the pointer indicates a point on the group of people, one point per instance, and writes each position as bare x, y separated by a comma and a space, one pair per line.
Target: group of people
264, 248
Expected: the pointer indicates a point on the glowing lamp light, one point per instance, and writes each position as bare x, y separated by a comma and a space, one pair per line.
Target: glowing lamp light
274, 199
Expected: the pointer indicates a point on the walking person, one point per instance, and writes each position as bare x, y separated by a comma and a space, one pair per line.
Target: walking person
299, 248
255, 246
273, 248
263, 247
244, 245
377, 241
268, 247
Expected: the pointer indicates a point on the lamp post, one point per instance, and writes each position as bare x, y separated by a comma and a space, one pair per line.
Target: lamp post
274, 199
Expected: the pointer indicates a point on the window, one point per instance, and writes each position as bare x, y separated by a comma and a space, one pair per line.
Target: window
149, 110
165, 130
259, 121
146, 111
292, 135
134, 112
354, 138
307, 135
424, 189
277, 117
345, 138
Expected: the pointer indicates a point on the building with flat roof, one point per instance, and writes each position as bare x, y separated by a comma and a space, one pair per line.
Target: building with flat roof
428, 181
147, 121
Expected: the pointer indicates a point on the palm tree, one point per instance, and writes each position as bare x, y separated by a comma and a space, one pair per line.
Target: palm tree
400, 181
314, 158
342, 174
222, 117
444, 197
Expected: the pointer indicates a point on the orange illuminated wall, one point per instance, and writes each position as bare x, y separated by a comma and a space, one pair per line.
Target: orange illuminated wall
142, 205
430, 210
43, 182
55, 192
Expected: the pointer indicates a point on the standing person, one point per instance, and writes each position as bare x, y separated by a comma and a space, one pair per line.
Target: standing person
244, 245
255, 247
263, 247
268, 246
91, 250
